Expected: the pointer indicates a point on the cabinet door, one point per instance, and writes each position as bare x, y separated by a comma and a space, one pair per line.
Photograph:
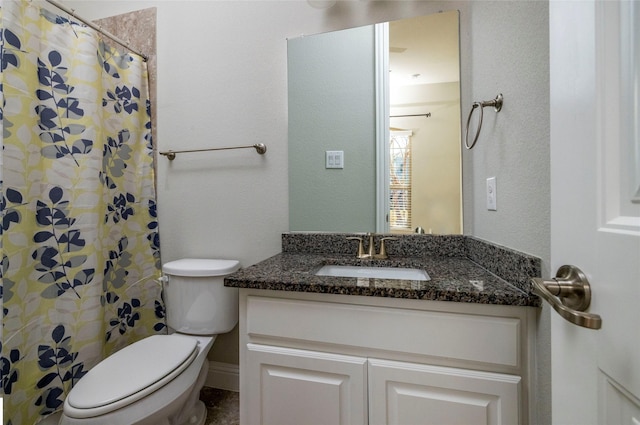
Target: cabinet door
293, 387
406, 393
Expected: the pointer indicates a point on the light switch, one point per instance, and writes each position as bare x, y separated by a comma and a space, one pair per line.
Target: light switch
334, 159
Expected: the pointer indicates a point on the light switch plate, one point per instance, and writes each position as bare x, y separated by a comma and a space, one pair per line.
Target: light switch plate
492, 204
334, 159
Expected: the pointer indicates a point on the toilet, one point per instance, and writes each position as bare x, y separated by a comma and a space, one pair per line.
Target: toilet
157, 380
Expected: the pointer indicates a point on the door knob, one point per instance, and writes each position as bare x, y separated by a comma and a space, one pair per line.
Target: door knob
569, 293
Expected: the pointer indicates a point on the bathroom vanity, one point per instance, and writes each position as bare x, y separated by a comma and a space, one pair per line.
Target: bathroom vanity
348, 350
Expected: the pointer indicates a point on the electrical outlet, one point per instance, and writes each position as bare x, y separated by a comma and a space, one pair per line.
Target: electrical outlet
492, 194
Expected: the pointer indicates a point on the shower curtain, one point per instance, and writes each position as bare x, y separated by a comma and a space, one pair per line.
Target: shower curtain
79, 242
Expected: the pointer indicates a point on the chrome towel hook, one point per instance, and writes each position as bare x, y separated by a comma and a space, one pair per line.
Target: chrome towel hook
497, 106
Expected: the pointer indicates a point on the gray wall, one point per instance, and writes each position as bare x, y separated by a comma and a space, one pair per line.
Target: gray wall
510, 55
331, 86
222, 80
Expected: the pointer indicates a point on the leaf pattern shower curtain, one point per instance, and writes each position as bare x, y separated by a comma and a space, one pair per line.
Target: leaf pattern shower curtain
79, 242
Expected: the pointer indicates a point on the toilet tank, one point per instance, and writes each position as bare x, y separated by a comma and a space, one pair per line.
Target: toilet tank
196, 299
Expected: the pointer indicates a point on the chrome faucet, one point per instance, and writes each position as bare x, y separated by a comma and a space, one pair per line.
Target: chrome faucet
371, 252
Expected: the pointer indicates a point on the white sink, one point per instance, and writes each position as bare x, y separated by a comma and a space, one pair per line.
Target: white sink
373, 272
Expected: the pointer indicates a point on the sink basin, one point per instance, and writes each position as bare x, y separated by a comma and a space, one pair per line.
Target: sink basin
373, 272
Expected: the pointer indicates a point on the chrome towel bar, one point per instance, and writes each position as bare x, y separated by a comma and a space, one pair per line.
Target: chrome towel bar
171, 155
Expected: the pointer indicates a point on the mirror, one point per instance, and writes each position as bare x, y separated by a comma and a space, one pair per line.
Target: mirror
374, 128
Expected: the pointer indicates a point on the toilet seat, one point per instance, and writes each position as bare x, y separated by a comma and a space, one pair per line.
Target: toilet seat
130, 374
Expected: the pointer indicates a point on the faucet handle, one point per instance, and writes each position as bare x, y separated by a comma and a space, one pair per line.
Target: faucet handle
361, 253
383, 252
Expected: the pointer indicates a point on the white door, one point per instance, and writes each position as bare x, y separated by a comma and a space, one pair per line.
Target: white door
595, 206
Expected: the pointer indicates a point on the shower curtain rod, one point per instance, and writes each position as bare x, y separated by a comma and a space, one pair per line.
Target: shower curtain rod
97, 28
427, 115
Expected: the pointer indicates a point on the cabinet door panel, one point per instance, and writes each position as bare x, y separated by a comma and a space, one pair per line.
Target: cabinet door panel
293, 387
407, 393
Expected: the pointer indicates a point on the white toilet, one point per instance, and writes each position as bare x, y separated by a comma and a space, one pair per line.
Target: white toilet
157, 380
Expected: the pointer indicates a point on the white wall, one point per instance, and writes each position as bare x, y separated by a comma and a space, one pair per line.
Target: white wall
222, 81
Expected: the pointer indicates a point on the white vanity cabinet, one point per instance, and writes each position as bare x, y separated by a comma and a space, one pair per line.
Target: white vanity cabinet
337, 359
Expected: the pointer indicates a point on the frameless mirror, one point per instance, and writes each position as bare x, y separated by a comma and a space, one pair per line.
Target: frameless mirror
374, 128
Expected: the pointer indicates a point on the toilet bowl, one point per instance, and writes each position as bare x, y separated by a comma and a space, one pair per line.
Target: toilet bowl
157, 380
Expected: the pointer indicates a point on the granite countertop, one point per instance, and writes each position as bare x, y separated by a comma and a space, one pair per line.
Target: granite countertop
453, 278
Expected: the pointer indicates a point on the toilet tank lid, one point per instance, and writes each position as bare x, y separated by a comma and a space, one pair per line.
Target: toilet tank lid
200, 267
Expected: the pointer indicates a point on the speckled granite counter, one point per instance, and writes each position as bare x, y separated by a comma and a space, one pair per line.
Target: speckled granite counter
462, 269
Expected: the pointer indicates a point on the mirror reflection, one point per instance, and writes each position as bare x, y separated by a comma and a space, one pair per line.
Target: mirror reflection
374, 128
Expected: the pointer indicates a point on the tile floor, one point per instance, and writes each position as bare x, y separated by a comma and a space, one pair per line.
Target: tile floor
223, 407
